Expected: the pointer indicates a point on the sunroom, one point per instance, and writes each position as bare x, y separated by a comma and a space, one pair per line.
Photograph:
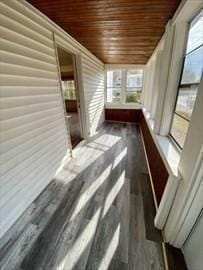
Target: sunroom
101, 134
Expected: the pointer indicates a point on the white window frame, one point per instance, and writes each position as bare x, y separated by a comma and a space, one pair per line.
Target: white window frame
180, 21
168, 218
124, 69
185, 54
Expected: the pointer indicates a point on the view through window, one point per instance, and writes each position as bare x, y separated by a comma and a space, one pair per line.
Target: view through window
124, 86
134, 86
69, 89
189, 82
114, 86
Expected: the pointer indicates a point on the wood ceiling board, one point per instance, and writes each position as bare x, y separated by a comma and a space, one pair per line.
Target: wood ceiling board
116, 31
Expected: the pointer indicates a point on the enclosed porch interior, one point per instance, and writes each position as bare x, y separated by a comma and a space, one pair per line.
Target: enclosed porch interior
101, 135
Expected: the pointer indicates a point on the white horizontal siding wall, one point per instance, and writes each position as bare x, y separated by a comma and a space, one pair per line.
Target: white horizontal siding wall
93, 81
33, 132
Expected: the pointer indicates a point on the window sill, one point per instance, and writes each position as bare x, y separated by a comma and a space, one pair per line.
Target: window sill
123, 106
149, 120
168, 151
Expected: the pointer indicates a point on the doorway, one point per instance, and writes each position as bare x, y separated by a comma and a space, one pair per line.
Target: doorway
71, 95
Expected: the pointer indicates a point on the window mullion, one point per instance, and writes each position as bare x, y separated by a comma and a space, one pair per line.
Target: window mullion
123, 85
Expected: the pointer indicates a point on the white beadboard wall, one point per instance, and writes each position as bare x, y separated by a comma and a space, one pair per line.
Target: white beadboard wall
33, 137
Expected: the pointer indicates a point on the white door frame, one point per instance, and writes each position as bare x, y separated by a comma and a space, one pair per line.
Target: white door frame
63, 101
77, 66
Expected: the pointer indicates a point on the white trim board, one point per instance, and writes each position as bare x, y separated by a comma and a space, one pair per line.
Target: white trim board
172, 184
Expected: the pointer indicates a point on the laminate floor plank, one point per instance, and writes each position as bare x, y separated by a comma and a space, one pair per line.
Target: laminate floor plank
136, 245
105, 241
143, 254
122, 203
117, 265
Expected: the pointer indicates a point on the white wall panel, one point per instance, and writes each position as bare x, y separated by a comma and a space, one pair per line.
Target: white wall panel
33, 131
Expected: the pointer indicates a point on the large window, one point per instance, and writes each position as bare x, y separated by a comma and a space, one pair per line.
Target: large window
124, 86
189, 82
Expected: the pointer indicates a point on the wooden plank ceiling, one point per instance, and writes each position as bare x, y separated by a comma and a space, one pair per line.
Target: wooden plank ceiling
116, 31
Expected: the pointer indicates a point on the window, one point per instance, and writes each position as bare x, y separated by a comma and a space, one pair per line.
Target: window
134, 86
114, 86
189, 82
124, 86
69, 89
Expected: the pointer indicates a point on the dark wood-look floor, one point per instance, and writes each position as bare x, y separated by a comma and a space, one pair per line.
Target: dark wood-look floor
97, 214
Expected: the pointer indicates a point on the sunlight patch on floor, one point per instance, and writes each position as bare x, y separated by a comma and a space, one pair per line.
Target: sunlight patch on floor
96, 149
89, 192
113, 193
93, 150
80, 245
120, 157
106, 260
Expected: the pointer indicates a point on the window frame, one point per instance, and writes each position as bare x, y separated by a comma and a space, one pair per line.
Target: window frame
180, 79
124, 71
126, 87
112, 87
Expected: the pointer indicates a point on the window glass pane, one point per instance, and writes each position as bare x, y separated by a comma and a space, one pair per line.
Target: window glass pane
132, 97
134, 86
195, 37
69, 89
193, 66
134, 79
113, 95
114, 78
186, 99
179, 129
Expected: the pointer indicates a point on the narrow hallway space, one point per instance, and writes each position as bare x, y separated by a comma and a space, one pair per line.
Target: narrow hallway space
97, 214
